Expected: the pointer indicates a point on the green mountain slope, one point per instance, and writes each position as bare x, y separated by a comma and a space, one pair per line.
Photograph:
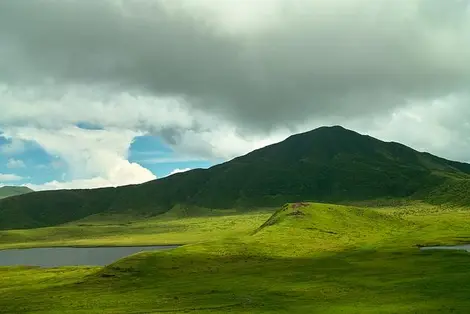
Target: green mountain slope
7, 191
328, 164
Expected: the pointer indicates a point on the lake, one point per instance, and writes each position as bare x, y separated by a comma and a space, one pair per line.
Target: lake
71, 256
462, 247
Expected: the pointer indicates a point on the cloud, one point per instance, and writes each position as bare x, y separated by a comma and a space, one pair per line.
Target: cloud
170, 159
216, 79
440, 126
224, 141
178, 170
9, 177
260, 65
15, 163
94, 158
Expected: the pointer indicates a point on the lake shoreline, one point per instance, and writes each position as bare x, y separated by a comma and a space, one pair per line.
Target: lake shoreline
52, 257
456, 247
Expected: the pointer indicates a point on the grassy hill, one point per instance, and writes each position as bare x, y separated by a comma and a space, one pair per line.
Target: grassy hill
305, 258
328, 164
7, 191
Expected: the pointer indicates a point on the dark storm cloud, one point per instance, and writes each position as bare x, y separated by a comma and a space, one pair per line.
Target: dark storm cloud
315, 59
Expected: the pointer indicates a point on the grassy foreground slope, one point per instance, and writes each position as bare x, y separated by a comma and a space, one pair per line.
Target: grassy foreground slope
328, 164
306, 258
7, 191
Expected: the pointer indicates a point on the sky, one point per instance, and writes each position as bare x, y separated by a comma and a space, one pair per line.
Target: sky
108, 92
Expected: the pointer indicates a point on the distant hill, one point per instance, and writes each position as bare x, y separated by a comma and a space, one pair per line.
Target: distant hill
7, 191
328, 164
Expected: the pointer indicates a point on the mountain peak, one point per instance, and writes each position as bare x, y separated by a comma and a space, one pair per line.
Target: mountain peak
327, 164
333, 132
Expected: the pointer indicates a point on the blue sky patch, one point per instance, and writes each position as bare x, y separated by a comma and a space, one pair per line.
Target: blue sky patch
32, 163
155, 155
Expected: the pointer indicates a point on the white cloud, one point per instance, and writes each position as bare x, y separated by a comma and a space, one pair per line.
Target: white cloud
59, 106
171, 159
94, 158
9, 177
198, 135
178, 170
13, 163
441, 127
224, 141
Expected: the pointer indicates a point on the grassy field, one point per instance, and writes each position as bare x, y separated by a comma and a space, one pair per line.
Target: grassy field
173, 227
306, 258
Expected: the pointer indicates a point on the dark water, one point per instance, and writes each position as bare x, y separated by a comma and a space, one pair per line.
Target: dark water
462, 247
69, 256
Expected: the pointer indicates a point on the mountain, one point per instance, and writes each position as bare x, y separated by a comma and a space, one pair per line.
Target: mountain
329, 164
7, 191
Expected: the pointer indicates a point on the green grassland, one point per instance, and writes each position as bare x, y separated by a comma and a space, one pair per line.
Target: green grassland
173, 227
304, 258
